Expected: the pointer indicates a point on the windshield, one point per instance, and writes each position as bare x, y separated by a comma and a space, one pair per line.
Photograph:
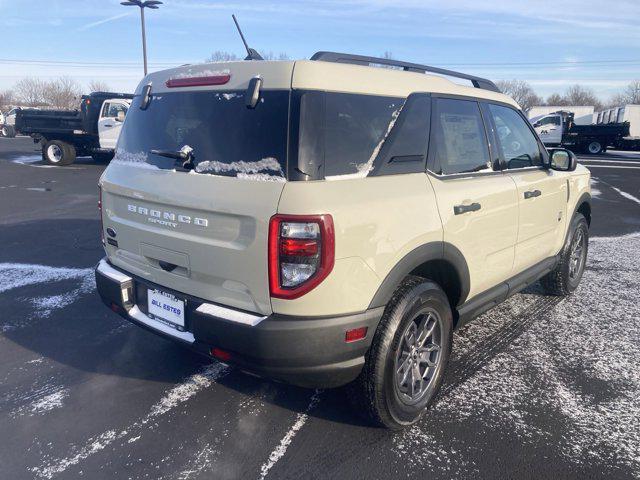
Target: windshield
227, 138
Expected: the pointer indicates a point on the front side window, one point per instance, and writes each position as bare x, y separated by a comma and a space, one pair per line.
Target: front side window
459, 138
517, 142
554, 120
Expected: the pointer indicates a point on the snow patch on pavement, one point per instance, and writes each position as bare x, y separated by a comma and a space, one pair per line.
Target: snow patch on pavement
206, 377
17, 275
27, 159
576, 359
49, 402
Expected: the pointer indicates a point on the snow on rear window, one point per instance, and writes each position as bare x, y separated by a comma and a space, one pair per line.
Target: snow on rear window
267, 169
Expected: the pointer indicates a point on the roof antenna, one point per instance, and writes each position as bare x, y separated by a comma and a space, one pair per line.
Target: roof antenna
251, 53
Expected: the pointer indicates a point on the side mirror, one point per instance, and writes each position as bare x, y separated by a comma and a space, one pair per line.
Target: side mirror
537, 124
120, 116
562, 160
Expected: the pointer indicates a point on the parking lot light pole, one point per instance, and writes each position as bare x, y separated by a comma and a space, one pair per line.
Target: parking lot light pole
153, 4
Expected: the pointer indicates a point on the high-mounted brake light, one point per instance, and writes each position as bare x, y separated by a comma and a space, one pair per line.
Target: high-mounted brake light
301, 253
198, 81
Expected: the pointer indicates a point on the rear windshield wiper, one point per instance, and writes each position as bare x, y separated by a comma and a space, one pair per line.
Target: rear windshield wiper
184, 155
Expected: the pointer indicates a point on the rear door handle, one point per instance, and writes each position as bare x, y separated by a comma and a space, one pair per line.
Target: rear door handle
532, 194
108, 125
460, 209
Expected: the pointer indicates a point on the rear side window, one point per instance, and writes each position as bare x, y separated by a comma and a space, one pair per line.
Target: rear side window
518, 145
342, 133
459, 138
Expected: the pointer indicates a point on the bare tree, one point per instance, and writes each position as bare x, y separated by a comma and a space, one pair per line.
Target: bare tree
632, 93
222, 56
30, 91
579, 95
62, 93
555, 99
616, 100
629, 96
521, 92
272, 56
7, 100
99, 86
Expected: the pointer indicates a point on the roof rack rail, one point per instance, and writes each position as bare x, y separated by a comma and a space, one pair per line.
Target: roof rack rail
477, 82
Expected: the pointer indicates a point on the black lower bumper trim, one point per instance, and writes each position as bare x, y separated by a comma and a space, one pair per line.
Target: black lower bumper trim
305, 351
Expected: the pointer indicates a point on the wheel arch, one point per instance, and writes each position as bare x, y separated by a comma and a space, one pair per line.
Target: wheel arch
583, 206
437, 261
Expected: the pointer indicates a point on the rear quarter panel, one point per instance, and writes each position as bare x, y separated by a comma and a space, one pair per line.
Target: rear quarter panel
378, 220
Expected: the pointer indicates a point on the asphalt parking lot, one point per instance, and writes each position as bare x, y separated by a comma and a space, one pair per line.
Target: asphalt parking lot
539, 387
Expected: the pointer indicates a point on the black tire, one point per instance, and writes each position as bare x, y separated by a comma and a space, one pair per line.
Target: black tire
565, 278
594, 147
376, 393
56, 152
101, 157
8, 131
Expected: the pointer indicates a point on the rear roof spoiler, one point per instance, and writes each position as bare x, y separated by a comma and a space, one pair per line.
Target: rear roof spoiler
477, 82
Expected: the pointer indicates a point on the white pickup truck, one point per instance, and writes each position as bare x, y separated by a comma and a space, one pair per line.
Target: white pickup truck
558, 129
64, 134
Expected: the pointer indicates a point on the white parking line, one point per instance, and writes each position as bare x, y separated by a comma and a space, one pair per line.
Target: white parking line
626, 195
182, 392
281, 449
609, 166
597, 160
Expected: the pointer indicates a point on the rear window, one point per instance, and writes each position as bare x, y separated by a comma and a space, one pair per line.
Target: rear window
227, 138
341, 133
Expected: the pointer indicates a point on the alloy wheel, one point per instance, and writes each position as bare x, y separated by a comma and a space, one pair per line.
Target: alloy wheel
577, 254
418, 358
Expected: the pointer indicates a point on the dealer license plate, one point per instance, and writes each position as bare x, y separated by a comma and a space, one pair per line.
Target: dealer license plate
166, 307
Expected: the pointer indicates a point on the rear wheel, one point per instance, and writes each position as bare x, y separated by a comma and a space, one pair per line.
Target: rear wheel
595, 147
405, 364
565, 278
56, 152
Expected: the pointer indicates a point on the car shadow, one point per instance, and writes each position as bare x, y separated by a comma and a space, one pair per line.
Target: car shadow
81, 333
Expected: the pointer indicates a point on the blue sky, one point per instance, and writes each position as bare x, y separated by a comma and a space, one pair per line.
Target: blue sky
550, 43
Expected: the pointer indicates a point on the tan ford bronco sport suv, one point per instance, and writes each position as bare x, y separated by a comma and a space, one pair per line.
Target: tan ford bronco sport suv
329, 222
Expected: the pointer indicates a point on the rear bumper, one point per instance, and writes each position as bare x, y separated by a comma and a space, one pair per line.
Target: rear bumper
305, 351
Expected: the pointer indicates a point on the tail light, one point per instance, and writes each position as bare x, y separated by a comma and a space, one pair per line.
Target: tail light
301, 253
100, 211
